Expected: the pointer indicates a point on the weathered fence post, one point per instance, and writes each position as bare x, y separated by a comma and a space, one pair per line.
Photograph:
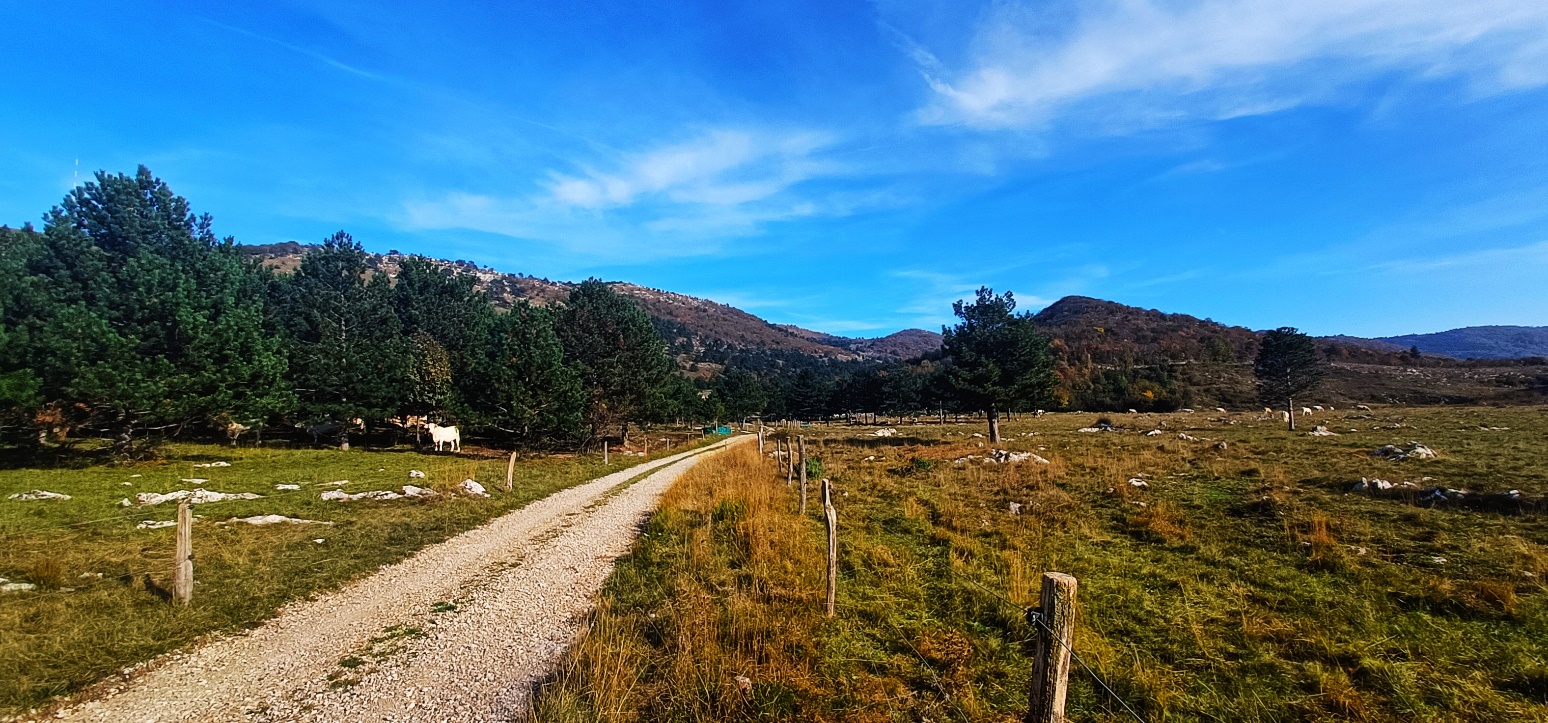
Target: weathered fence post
182, 575
1055, 623
760, 438
604, 454
789, 461
801, 441
830, 516
510, 471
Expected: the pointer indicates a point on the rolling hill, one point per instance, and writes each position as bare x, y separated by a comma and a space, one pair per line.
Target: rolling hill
1479, 342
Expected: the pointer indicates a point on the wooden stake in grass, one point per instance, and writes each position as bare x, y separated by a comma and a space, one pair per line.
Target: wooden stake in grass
801, 442
510, 471
760, 438
1055, 639
604, 454
182, 575
830, 516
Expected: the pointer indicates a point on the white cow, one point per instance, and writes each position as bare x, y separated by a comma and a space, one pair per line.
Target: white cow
442, 435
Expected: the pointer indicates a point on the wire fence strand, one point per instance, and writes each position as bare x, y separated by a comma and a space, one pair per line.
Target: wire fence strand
1037, 620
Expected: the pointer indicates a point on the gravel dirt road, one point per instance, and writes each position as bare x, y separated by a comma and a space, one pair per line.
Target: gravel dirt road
460, 631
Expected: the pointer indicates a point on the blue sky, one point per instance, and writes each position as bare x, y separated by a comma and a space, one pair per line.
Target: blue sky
1369, 167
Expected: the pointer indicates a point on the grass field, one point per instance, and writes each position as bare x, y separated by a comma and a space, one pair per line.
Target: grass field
91, 613
1243, 584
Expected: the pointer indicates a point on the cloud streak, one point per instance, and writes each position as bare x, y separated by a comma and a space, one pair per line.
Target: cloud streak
1153, 63
676, 199
324, 59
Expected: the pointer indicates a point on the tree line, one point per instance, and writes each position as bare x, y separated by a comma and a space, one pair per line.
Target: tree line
127, 317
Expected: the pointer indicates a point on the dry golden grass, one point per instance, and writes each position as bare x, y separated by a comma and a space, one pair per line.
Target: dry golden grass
1248, 586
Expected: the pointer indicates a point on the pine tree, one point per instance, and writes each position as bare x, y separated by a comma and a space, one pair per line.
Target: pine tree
348, 356
137, 316
1287, 367
524, 386
997, 357
445, 307
622, 362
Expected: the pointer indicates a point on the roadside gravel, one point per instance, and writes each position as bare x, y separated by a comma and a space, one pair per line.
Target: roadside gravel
460, 631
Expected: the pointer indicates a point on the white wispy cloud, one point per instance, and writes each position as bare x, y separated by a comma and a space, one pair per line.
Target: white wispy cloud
721, 167
675, 199
1146, 62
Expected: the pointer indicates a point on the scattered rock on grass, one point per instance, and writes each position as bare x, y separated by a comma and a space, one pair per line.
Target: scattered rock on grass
416, 474
194, 497
214, 464
1397, 454
888, 432
473, 489
273, 520
8, 586
287, 487
342, 496
155, 524
38, 495
1138, 483
1321, 431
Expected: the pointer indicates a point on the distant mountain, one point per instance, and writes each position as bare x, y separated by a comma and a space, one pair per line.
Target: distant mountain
906, 344
1479, 342
1363, 343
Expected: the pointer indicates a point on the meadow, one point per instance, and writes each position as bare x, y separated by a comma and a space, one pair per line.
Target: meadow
92, 613
1241, 582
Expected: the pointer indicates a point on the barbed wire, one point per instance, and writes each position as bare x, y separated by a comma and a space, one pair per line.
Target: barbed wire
1036, 618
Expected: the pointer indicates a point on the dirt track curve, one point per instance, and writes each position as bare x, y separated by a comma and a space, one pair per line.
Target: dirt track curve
390, 648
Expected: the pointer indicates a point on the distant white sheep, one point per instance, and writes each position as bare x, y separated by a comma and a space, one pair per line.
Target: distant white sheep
444, 435
1306, 411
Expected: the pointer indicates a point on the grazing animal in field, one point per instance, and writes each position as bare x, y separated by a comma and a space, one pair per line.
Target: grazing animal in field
318, 431
444, 435
1284, 416
234, 431
1306, 411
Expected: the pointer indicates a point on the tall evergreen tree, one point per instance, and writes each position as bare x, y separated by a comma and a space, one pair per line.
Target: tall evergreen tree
524, 385
444, 313
622, 362
1288, 366
740, 393
136, 316
997, 357
348, 355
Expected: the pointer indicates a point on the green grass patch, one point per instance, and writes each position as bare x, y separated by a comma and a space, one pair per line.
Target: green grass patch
93, 612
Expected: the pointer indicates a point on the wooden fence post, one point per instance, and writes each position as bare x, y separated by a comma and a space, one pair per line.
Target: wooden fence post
182, 575
830, 516
801, 441
1055, 639
604, 454
789, 461
510, 471
760, 438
